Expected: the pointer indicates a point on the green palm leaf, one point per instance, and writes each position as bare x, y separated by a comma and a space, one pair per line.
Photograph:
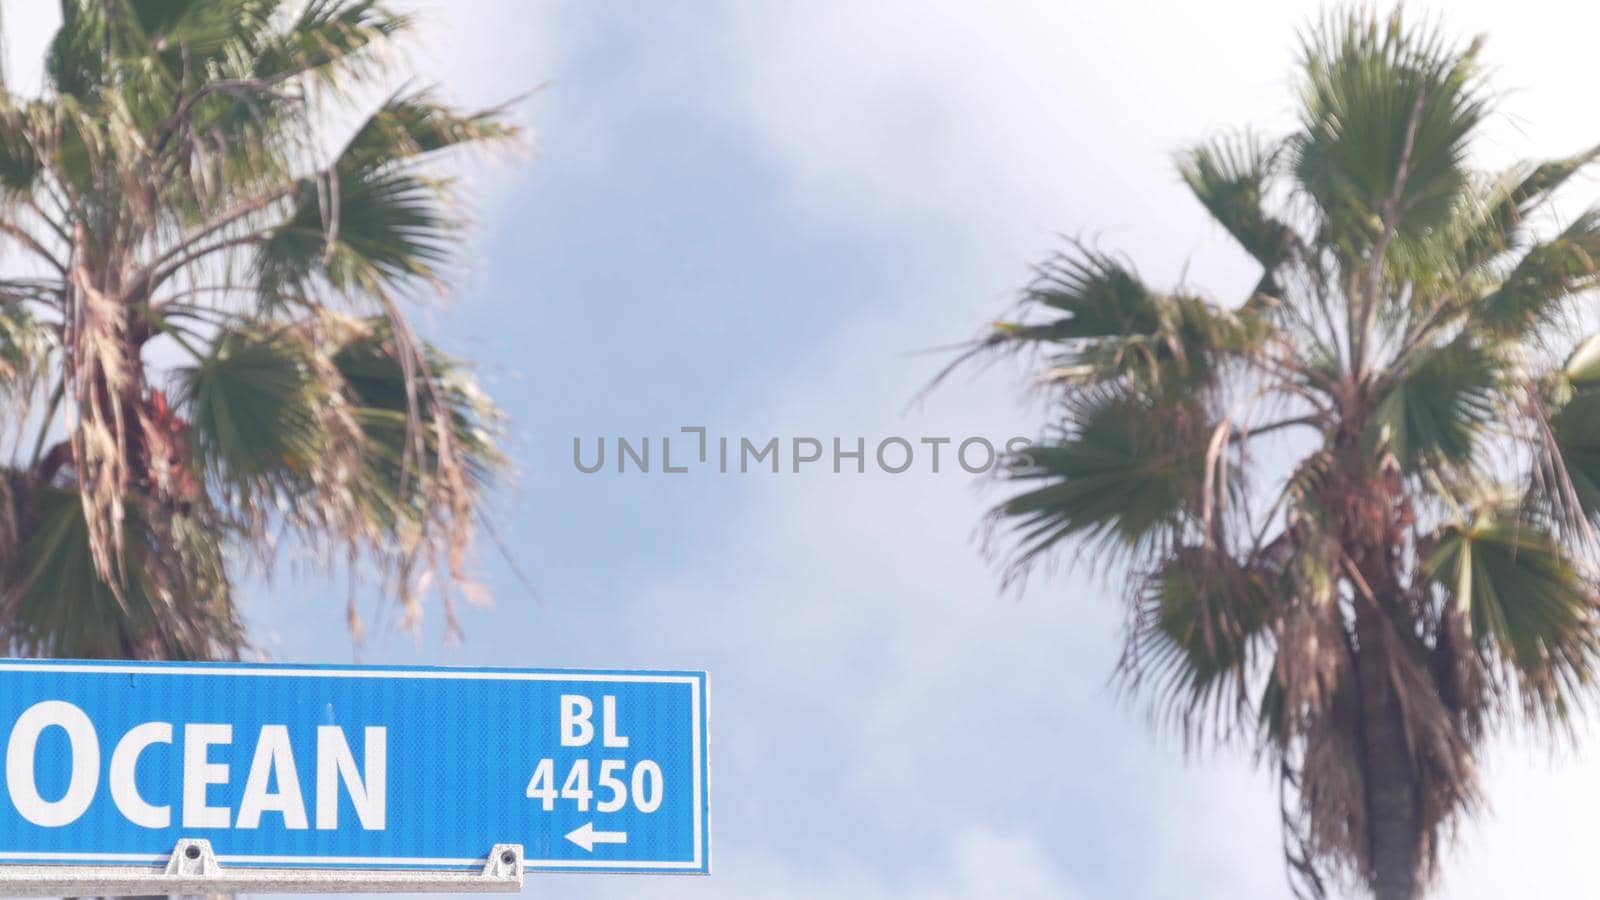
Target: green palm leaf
412, 125
391, 232
325, 35
386, 223
1435, 412
1528, 604
1230, 178
24, 347
1544, 280
1203, 619
174, 602
1498, 223
1387, 113
1575, 429
259, 413
1127, 475
1101, 324
19, 161
326, 427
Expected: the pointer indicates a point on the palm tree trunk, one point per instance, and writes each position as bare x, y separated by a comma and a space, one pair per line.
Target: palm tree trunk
1394, 822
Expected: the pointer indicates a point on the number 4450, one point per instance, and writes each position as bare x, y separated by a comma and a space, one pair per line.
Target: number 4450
645, 784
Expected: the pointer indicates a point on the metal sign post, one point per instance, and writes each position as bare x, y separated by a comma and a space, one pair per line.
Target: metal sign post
127, 778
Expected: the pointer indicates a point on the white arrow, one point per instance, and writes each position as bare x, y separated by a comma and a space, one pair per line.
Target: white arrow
586, 837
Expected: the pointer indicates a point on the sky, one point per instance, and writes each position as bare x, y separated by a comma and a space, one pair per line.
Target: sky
759, 218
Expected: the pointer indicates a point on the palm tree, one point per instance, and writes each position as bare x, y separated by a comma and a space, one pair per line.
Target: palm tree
1408, 563
204, 346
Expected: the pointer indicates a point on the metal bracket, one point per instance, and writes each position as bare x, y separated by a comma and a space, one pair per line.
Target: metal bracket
193, 859
505, 861
193, 869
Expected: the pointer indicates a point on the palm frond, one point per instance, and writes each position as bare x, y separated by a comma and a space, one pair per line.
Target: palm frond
376, 223
1498, 222
458, 433
415, 124
391, 233
76, 56
326, 36
25, 344
429, 452
1434, 413
19, 160
1528, 607
1096, 323
264, 417
1575, 431
1387, 114
175, 603
1547, 276
1201, 624
1230, 176
1127, 475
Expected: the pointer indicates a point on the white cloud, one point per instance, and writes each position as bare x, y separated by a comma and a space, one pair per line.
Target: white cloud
977, 864
997, 126
485, 51
28, 29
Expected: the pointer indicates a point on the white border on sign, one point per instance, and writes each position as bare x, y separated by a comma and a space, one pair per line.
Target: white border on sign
694, 682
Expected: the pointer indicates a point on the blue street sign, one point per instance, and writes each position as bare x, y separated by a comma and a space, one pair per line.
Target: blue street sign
307, 767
